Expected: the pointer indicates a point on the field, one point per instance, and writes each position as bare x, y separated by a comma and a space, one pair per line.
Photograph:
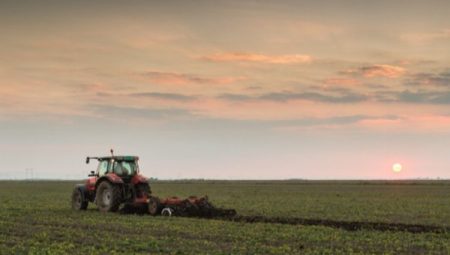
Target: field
35, 218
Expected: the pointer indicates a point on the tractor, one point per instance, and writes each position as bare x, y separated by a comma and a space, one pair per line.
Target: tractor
117, 184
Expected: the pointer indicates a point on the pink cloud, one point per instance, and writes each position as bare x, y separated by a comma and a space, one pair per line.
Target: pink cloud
258, 58
388, 71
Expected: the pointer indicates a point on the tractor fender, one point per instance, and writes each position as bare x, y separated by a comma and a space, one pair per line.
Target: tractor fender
139, 179
111, 177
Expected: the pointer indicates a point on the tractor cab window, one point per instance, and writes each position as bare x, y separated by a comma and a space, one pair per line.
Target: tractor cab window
102, 167
124, 168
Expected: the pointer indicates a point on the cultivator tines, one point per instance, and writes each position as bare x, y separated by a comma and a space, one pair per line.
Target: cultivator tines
189, 207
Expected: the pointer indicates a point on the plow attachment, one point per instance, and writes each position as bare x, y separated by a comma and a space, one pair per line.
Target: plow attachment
190, 207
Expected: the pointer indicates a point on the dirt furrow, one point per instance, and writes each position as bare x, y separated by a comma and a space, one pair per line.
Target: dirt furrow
347, 225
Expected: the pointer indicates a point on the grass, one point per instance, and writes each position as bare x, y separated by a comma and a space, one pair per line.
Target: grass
35, 218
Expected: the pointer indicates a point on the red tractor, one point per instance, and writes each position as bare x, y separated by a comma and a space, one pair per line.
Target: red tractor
118, 182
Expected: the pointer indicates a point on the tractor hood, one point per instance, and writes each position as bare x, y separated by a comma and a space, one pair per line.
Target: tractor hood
114, 178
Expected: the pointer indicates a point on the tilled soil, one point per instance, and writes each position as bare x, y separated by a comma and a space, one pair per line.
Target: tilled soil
231, 215
347, 225
211, 212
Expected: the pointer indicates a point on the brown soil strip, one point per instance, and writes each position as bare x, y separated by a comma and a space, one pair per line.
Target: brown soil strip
347, 225
212, 212
231, 215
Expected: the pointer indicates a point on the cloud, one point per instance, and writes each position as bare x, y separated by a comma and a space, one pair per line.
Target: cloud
342, 81
347, 97
186, 79
424, 97
338, 120
312, 123
332, 89
294, 123
166, 96
314, 96
421, 38
161, 114
387, 71
258, 58
92, 88
418, 97
430, 79
236, 97
112, 111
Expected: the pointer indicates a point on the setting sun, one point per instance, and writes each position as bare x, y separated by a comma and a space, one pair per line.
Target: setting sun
397, 167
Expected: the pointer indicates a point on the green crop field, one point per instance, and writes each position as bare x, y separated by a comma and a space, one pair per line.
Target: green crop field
35, 218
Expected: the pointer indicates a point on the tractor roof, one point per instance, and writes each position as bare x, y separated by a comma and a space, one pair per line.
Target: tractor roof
120, 158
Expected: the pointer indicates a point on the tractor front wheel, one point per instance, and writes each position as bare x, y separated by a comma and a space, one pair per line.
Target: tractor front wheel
108, 197
79, 201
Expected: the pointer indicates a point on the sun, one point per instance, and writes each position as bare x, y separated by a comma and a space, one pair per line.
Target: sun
397, 168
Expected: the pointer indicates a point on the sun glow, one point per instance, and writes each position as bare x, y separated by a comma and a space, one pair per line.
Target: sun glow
397, 168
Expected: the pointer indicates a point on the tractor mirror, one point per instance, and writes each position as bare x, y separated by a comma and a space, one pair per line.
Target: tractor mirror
87, 160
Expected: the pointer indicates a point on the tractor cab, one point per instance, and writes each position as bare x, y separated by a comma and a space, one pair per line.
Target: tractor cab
122, 166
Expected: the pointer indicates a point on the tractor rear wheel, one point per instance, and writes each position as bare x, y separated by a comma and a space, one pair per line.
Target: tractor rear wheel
79, 202
108, 197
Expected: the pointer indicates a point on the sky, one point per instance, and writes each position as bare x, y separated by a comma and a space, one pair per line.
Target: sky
226, 89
